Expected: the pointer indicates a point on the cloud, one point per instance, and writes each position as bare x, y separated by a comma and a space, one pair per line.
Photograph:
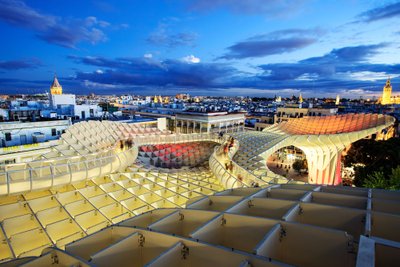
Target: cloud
191, 59
341, 69
151, 72
164, 36
94, 85
384, 12
19, 14
273, 43
148, 55
123, 25
342, 60
344, 70
272, 8
348, 54
53, 29
20, 64
262, 48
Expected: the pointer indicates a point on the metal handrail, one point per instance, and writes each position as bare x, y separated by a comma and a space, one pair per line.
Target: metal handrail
248, 179
48, 172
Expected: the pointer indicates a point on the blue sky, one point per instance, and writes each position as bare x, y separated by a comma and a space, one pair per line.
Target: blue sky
203, 47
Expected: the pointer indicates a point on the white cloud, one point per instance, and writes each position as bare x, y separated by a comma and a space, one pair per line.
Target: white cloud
90, 84
371, 76
307, 77
148, 55
261, 92
366, 75
99, 71
191, 59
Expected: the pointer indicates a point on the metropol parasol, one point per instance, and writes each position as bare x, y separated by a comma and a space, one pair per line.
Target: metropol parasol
109, 192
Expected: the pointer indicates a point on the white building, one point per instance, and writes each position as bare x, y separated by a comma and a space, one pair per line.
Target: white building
66, 106
87, 111
21, 133
60, 100
3, 114
197, 122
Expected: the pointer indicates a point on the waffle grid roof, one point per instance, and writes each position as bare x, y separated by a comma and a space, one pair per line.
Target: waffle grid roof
280, 225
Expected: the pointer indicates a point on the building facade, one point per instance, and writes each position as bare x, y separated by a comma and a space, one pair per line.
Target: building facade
22, 133
387, 98
196, 122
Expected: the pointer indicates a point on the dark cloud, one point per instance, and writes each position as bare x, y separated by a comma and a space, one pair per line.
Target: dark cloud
20, 64
384, 12
53, 29
273, 43
19, 14
271, 7
345, 69
348, 54
151, 72
342, 60
249, 49
67, 37
165, 36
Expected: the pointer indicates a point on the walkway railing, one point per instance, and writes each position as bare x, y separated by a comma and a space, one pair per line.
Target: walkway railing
21, 177
240, 175
233, 177
35, 175
178, 138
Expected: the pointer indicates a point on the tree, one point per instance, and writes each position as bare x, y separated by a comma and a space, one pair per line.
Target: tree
298, 165
368, 156
379, 180
375, 180
394, 179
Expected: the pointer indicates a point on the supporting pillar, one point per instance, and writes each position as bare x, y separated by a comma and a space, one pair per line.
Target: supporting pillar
324, 165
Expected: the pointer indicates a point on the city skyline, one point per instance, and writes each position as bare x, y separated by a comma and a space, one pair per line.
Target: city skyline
202, 47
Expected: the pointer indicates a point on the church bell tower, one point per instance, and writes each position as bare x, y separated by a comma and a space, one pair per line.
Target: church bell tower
55, 88
387, 93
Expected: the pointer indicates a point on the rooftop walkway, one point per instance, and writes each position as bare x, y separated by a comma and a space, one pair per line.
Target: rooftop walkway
34, 220
280, 225
88, 150
322, 139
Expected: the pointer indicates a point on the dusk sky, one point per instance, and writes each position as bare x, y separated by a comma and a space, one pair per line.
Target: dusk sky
201, 47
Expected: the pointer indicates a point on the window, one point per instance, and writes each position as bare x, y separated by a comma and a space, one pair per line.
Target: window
8, 136
53, 132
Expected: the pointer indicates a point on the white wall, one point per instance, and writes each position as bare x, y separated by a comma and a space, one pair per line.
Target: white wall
4, 113
65, 99
21, 133
97, 111
162, 124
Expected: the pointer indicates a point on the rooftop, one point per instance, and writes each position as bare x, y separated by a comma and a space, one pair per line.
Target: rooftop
98, 198
280, 225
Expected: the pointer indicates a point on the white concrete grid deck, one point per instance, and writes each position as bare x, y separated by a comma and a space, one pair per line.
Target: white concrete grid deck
60, 215
90, 182
281, 225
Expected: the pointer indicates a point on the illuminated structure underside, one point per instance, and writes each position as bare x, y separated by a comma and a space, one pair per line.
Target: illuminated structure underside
322, 139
